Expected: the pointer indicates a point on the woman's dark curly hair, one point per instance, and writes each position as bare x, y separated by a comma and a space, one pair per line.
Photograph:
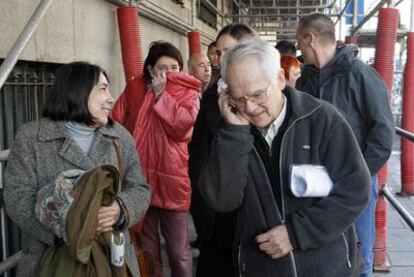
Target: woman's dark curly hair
157, 50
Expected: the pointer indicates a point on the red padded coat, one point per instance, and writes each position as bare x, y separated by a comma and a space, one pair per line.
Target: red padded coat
162, 129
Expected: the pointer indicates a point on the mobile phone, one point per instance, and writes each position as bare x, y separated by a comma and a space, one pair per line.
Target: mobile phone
233, 109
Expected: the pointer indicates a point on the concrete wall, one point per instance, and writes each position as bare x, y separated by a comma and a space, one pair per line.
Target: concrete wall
71, 30
87, 30
163, 19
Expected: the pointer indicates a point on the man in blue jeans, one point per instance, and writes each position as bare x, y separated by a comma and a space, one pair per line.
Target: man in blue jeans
365, 228
334, 74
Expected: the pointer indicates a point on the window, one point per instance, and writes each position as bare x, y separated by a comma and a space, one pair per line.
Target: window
179, 2
21, 100
22, 97
206, 12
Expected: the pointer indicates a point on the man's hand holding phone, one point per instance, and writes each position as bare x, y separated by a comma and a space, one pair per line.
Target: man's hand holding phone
229, 111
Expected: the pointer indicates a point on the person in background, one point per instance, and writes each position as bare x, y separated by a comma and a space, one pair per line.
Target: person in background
292, 68
272, 136
214, 62
335, 75
355, 48
74, 133
215, 230
199, 66
162, 131
286, 47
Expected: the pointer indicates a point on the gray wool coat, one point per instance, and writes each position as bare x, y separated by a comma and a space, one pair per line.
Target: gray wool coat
41, 150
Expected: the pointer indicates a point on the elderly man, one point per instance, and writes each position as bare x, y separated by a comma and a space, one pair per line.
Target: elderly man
334, 74
199, 66
269, 130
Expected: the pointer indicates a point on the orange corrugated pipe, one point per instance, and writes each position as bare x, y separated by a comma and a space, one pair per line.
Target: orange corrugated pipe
132, 59
194, 42
407, 147
129, 33
384, 64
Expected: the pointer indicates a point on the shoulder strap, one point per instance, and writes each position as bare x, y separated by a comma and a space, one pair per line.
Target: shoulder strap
120, 161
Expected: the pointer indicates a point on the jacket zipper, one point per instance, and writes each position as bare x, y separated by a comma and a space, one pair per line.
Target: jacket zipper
291, 254
242, 267
347, 251
282, 216
277, 210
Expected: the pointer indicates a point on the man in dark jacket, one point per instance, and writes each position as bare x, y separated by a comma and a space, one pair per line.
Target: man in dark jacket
215, 230
214, 62
334, 74
267, 133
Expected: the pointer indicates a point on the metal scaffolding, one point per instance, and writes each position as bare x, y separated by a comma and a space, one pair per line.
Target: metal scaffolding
278, 18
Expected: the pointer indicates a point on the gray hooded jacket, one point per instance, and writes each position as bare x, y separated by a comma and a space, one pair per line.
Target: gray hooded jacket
360, 94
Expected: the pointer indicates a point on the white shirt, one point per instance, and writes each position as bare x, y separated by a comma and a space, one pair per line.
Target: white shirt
270, 133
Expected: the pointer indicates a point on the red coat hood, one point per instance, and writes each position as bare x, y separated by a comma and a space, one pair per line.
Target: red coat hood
184, 80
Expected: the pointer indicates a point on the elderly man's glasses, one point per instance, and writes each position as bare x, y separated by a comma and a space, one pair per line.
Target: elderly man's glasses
257, 99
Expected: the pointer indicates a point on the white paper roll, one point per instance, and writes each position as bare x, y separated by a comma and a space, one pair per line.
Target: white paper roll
310, 181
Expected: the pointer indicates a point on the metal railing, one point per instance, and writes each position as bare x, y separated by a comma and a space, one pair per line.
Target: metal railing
390, 196
4, 154
9, 262
21, 42
398, 207
405, 134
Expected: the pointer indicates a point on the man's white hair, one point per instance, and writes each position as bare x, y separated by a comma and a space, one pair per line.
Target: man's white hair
266, 55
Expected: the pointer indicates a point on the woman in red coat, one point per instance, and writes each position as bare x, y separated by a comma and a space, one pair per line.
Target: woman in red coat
160, 110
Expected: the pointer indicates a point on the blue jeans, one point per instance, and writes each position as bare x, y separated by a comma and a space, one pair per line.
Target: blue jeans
365, 228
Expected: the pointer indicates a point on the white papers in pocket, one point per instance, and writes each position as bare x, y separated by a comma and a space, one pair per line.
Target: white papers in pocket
310, 181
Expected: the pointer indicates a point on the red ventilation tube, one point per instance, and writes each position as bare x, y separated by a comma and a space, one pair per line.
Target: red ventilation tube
407, 147
194, 42
384, 64
129, 33
132, 59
